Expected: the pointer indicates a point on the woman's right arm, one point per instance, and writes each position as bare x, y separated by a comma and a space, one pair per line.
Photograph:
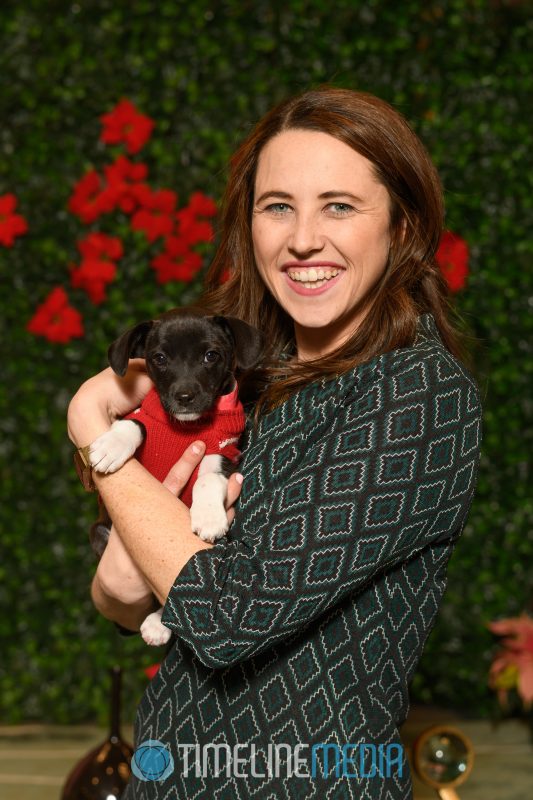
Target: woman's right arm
119, 590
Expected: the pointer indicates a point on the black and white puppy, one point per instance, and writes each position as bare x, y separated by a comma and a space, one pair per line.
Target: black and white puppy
191, 357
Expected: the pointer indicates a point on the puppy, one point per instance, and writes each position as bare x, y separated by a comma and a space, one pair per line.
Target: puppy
191, 357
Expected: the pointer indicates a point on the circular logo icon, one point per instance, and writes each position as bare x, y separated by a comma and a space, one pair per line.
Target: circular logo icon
152, 761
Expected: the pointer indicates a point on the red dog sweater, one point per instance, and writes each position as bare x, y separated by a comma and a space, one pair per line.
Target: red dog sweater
167, 438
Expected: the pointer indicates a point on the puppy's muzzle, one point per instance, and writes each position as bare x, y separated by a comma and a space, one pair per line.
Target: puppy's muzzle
187, 399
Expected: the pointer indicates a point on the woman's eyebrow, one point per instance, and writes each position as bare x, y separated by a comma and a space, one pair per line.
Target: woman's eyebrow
274, 193
335, 193
324, 196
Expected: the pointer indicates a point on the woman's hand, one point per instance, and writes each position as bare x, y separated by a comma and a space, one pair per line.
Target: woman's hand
182, 470
104, 398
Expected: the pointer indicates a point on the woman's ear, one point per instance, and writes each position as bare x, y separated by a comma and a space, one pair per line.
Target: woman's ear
130, 345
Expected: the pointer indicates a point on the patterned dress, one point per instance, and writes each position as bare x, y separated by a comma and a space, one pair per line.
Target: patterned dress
305, 625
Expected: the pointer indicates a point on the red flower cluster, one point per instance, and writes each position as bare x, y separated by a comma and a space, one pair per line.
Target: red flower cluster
122, 186
153, 212
55, 319
97, 269
452, 258
11, 224
125, 124
156, 216
90, 198
178, 261
126, 181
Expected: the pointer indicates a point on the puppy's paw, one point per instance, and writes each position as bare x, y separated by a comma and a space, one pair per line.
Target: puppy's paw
112, 449
209, 522
153, 631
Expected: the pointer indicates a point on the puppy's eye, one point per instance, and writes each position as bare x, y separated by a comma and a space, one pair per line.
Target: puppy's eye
211, 356
159, 359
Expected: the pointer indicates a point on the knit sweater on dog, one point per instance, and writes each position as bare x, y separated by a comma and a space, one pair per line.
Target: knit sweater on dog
167, 438
305, 624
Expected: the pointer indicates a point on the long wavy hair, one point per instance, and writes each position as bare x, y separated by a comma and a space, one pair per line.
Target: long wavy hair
411, 283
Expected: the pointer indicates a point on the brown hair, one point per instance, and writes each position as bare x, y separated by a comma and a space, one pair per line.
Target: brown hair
412, 282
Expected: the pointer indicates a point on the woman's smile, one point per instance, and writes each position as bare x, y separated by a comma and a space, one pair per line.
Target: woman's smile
312, 278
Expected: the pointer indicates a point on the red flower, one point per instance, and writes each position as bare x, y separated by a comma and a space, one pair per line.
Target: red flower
192, 229
176, 246
452, 258
91, 198
125, 177
125, 124
202, 206
93, 275
99, 244
178, 268
55, 319
156, 217
11, 225
97, 269
152, 670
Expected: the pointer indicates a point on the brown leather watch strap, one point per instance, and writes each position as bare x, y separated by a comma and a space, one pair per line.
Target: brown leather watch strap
84, 469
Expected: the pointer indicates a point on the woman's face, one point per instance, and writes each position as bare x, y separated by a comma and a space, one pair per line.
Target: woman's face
320, 230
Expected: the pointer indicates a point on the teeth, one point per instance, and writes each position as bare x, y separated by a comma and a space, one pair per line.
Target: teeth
312, 275
314, 285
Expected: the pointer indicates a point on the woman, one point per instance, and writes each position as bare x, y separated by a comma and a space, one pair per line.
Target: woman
304, 626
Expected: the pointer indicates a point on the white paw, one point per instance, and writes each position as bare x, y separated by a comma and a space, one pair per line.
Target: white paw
112, 449
153, 631
209, 522
208, 514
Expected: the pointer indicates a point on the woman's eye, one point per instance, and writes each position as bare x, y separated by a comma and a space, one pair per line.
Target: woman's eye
160, 359
340, 209
278, 208
211, 356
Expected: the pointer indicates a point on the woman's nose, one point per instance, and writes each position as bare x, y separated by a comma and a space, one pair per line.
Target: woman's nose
305, 236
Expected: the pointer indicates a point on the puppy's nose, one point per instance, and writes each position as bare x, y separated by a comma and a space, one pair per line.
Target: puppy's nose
184, 397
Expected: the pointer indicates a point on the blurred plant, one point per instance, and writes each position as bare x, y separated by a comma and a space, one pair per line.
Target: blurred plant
511, 671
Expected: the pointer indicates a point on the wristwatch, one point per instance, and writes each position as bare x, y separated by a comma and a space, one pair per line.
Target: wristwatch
84, 469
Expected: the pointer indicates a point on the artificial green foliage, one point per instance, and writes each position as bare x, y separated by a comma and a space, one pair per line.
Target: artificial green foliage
460, 70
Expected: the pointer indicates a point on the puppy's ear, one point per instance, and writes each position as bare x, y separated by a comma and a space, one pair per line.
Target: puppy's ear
130, 345
249, 342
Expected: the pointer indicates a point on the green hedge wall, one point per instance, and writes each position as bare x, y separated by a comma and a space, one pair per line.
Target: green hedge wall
460, 70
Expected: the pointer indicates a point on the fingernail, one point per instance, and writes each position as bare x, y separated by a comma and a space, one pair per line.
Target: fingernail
238, 477
198, 447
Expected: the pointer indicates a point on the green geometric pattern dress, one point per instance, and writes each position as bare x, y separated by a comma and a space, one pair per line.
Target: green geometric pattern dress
306, 623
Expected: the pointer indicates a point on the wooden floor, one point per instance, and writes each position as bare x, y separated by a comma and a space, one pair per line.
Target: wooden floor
35, 759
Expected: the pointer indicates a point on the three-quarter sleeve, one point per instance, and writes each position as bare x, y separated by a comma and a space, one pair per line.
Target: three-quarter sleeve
390, 473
